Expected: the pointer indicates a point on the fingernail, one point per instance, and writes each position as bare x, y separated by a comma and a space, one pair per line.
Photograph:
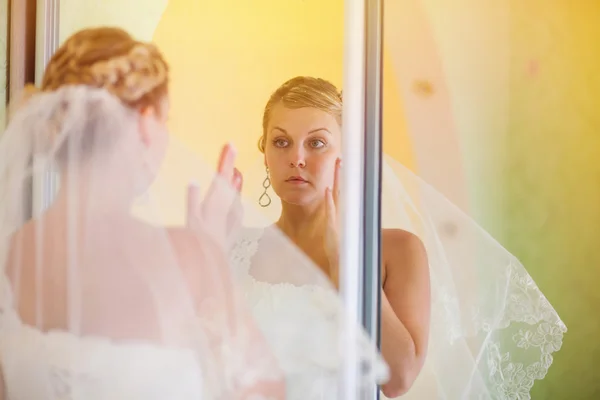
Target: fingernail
194, 183
232, 148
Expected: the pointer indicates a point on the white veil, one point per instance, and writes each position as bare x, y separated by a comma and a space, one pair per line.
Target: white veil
492, 331
124, 285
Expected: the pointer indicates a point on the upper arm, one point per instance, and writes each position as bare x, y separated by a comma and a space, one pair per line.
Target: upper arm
407, 284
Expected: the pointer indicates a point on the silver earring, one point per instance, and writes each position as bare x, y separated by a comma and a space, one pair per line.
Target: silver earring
265, 200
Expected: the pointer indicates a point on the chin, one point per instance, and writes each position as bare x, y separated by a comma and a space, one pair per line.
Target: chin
300, 200
299, 196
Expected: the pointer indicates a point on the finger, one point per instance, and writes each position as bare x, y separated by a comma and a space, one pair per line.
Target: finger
331, 209
337, 180
218, 194
219, 199
226, 165
238, 180
192, 203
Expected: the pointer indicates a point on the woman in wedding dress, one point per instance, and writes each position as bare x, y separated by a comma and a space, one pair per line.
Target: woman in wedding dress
460, 317
302, 146
94, 303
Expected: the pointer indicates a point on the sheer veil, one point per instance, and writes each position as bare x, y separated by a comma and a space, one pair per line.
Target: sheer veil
493, 332
125, 272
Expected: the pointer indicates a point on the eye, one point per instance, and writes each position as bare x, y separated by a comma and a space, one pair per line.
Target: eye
280, 143
317, 144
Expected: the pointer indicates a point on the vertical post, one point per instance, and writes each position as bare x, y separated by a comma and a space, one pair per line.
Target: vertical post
21, 64
372, 173
352, 237
362, 148
45, 184
21, 52
47, 34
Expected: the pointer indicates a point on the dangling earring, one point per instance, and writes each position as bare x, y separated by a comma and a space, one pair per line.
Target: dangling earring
264, 200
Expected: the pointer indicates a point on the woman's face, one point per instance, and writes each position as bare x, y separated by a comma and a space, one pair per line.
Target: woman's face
301, 149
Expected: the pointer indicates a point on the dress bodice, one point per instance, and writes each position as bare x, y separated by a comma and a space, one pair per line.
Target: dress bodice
301, 323
59, 365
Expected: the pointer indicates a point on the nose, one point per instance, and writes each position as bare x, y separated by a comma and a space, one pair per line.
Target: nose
298, 160
298, 164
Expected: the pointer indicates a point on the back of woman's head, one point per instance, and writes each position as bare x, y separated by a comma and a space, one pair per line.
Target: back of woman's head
93, 88
109, 58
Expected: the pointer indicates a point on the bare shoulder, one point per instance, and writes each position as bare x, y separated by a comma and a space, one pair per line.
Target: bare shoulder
401, 242
403, 252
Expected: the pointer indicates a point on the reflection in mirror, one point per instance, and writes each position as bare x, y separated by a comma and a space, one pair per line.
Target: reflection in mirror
439, 267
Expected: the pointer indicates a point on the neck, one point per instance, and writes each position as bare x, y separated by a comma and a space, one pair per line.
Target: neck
91, 201
299, 222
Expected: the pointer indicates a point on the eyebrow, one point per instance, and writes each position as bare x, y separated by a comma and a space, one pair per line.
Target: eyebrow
309, 132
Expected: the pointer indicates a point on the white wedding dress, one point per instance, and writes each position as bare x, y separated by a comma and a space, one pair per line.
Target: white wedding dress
59, 365
311, 372
311, 362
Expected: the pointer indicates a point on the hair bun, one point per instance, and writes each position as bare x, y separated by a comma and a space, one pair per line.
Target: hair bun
131, 76
110, 59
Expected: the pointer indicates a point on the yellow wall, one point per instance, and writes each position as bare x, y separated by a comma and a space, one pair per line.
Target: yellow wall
228, 56
551, 176
139, 17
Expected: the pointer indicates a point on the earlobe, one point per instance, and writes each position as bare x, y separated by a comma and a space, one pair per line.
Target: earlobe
143, 130
146, 117
147, 111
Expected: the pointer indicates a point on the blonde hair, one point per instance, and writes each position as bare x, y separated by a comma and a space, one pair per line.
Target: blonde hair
109, 58
134, 72
300, 92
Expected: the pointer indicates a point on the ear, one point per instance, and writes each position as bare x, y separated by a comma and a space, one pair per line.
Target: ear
145, 119
265, 161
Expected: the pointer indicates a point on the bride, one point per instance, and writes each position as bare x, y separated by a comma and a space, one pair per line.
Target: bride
460, 316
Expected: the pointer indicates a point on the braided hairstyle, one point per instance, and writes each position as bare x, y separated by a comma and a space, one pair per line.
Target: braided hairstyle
109, 58
134, 72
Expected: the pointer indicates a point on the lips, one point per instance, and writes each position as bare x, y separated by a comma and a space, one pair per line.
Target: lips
296, 179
